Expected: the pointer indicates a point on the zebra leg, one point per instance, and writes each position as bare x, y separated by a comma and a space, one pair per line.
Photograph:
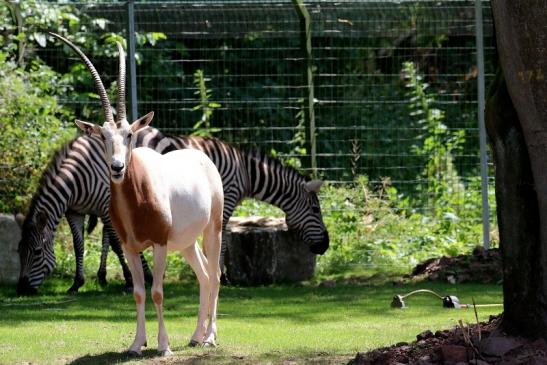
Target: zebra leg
231, 199
101, 273
117, 248
76, 223
148, 277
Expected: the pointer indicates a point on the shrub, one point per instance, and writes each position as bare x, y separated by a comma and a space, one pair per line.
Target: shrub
32, 126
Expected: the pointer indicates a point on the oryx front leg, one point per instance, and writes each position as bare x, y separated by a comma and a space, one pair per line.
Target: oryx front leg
160, 256
198, 262
139, 293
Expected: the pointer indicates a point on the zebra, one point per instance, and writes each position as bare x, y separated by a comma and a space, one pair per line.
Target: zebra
76, 183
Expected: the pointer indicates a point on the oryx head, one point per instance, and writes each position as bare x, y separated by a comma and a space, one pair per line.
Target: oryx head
118, 136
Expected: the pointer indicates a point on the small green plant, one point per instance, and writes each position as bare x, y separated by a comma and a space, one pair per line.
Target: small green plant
439, 182
206, 106
298, 142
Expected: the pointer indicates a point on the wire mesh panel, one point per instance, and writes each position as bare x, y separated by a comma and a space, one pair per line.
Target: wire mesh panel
236, 68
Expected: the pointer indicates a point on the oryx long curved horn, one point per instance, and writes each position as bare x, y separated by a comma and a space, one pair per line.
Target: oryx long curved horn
120, 106
96, 78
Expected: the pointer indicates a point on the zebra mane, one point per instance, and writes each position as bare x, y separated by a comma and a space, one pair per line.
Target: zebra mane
51, 169
245, 153
274, 162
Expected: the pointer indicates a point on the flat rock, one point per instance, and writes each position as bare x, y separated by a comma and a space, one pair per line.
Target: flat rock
10, 235
262, 251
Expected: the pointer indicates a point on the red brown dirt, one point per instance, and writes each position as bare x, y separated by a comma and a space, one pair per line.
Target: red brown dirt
480, 344
479, 267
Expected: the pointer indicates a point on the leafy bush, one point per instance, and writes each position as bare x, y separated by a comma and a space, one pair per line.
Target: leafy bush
33, 126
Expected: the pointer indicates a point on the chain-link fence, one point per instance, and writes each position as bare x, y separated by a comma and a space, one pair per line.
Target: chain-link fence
240, 68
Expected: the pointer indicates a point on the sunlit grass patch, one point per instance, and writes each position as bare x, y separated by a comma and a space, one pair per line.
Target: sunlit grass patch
256, 325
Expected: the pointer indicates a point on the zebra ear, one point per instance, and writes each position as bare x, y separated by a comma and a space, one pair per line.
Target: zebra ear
20, 219
313, 185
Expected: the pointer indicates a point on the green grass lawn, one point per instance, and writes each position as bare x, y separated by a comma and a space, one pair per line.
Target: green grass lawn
256, 325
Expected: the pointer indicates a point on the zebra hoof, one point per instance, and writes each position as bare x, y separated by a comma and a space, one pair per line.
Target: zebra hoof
165, 353
77, 284
193, 343
101, 279
224, 280
72, 290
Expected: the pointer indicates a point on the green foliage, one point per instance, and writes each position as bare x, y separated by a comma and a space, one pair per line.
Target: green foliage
33, 126
32, 121
206, 106
372, 227
436, 146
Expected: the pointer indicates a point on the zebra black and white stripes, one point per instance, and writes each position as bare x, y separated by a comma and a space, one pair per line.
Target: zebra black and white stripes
76, 180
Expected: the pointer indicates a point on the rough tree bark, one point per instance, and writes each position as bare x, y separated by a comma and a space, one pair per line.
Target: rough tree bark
517, 126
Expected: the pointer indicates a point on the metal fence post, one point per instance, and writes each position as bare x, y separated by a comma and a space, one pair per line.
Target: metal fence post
133, 113
482, 129
305, 39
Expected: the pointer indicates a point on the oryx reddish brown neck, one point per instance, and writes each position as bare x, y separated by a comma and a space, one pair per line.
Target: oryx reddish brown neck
135, 209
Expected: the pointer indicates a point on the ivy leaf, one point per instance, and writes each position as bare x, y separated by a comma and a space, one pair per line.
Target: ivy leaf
40, 38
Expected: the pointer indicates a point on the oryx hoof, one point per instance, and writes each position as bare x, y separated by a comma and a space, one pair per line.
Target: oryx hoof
133, 353
165, 353
193, 343
209, 344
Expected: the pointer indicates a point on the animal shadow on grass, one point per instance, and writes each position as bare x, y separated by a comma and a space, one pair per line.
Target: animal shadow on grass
113, 358
148, 355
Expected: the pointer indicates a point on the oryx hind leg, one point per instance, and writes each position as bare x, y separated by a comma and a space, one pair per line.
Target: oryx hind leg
212, 246
199, 264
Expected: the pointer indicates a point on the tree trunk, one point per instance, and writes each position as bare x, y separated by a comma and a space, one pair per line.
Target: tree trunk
517, 126
517, 209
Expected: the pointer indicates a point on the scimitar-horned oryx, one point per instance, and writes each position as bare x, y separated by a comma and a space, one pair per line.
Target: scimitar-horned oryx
155, 205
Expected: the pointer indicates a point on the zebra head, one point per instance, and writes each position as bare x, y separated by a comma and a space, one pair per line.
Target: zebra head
304, 217
35, 253
117, 136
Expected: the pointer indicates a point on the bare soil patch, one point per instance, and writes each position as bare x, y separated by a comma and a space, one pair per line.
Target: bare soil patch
480, 344
479, 267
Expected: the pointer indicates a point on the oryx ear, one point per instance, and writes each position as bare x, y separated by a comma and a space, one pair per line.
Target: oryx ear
88, 128
142, 122
313, 185
20, 219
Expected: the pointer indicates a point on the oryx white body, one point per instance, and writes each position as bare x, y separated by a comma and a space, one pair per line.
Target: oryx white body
168, 208
163, 201
186, 187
